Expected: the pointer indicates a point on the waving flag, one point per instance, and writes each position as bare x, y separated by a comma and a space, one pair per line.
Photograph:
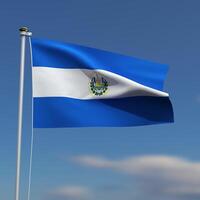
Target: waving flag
77, 86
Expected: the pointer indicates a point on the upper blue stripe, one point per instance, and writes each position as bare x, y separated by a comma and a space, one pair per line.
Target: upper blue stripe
49, 53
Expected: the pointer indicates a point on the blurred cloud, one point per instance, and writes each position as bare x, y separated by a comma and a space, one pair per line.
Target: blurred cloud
157, 176
198, 98
70, 192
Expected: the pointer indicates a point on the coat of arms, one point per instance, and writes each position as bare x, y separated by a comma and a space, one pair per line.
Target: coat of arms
98, 85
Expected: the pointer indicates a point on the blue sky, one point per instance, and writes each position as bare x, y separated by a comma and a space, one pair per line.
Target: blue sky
152, 162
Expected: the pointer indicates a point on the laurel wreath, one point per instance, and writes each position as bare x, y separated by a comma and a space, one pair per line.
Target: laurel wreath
97, 90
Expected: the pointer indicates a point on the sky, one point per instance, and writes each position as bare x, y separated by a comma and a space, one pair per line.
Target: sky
151, 162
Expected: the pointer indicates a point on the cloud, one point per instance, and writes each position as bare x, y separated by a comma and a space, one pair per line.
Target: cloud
162, 176
93, 161
198, 98
71, 192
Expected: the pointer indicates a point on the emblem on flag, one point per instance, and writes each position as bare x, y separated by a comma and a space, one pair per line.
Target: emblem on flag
98, 85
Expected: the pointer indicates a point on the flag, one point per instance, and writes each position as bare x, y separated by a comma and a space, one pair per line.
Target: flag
78, 86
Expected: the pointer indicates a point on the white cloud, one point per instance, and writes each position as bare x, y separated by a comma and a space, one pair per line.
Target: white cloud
198, 98
93, 161
71, 192
163, 175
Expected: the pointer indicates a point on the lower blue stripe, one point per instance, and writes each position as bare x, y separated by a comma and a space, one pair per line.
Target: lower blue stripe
55, 112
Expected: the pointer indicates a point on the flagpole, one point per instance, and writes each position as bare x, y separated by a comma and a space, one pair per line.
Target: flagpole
24, 32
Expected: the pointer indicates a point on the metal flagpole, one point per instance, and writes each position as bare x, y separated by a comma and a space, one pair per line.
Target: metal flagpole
24, 32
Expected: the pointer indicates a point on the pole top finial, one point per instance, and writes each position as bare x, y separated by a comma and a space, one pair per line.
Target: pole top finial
24, 31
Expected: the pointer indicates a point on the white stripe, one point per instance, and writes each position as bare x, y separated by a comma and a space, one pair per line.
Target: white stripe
75, 83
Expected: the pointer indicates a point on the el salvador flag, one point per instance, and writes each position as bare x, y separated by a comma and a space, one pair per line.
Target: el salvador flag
77, 86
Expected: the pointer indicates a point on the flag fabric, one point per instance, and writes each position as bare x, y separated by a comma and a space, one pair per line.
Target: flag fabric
78, 86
